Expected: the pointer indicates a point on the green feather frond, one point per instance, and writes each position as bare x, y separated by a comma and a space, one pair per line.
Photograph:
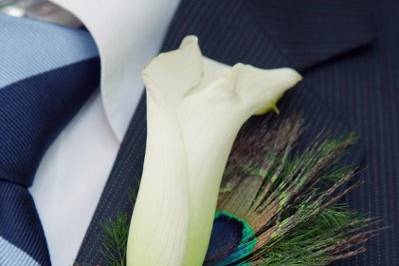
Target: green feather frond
334, 234
289, 197
115, 240
115, 233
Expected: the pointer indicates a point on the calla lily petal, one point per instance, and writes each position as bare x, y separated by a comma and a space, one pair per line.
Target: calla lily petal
175, 80
210, 121
159, 226
196, 107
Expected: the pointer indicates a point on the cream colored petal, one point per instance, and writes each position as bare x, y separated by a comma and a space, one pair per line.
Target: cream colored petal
210, 121
159, 226
260, 89
212, 71
174, 73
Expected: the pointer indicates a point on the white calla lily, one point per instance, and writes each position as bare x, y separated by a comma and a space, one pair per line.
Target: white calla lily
196, 107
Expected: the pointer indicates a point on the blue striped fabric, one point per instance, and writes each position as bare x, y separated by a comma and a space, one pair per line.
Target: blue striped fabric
12, 256
47, 73
29, 47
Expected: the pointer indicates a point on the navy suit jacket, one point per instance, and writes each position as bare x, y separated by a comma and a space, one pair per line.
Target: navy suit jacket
348, 52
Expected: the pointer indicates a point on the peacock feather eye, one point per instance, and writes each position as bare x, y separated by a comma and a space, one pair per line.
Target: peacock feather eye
232, 239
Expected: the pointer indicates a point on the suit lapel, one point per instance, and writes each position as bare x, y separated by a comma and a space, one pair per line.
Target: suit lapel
311, 32
229, 31
275, 33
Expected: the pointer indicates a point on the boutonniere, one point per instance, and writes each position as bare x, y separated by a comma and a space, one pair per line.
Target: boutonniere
268, 207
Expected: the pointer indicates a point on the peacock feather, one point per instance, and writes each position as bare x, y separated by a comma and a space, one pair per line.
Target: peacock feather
279, 203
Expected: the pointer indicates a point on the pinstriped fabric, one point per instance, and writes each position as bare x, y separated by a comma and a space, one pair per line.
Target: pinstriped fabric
365, 88
13, 256
310, 31
33, 110
228, 33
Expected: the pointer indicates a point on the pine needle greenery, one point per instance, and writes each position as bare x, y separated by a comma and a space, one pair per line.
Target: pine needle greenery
289, 198
116, 234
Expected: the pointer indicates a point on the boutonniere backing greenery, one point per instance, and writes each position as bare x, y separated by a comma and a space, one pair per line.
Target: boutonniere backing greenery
207, 198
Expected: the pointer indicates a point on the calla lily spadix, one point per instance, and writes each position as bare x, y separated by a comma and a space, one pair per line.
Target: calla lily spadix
195, 108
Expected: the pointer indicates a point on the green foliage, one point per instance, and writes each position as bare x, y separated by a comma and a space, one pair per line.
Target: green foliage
115, 240
313, 244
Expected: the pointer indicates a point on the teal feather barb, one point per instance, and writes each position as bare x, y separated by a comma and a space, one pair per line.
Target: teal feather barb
279, 204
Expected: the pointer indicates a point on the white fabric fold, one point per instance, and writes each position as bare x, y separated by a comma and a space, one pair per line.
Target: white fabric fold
117, 27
